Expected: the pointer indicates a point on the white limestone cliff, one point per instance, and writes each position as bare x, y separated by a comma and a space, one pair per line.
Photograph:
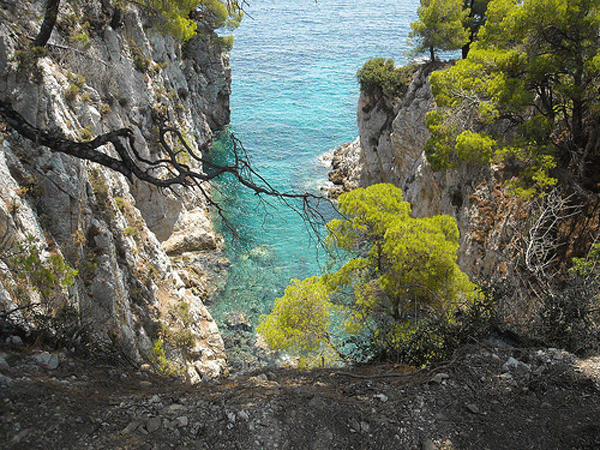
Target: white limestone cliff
133, 245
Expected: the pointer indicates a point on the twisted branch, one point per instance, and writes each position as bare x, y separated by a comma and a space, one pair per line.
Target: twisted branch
167, 171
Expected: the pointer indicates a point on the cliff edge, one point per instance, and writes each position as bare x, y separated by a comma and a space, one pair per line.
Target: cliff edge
503, 237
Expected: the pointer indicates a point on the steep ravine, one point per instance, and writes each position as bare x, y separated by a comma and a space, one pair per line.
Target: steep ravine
144, 257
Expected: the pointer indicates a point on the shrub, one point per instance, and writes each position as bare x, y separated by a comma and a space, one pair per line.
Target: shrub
300, 321
381, 74
436, 339
183, 307
87, 133
45, 274
71, 92
161, 362
226, 43
27, 62
569, 316
83, 38
141, 63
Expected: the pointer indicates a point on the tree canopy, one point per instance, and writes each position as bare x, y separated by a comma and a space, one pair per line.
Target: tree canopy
440, 26
398, 268
526, 93
177, 17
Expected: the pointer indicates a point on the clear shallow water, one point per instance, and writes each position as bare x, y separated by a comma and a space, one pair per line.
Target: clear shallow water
294, 97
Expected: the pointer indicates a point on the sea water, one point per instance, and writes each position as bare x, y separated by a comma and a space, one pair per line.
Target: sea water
294, 97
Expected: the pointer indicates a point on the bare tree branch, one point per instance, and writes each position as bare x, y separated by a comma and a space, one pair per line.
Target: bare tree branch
50, 15
169, 170
541, 245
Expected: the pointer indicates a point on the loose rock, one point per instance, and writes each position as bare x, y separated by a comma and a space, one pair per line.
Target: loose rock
153, 424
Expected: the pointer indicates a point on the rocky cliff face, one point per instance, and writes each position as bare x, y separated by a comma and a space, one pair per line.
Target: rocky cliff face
144, 256
392, 136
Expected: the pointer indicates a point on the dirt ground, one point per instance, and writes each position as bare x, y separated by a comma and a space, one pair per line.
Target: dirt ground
487, 397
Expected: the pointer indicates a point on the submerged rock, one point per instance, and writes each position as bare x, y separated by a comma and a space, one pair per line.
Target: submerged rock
263, 254
238, 321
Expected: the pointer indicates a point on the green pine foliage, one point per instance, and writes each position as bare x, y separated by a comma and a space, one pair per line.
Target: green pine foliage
383, 75
395, 270
300, 321
524, 92
440, 26
177, 15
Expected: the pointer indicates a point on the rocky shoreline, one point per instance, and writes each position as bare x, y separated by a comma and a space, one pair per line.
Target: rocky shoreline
344, 169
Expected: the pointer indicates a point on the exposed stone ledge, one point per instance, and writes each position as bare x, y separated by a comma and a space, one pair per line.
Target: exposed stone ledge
344, 174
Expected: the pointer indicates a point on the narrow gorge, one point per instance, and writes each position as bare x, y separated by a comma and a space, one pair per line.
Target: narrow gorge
129, 312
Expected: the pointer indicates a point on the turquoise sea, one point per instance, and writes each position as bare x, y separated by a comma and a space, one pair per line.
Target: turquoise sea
294, 97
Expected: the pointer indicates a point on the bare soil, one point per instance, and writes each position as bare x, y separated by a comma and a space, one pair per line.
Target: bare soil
487, 397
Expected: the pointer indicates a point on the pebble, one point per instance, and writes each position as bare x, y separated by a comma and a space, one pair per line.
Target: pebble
382, 397
513, 364
182, 421
428, 445
131, 427
17, 438
4, 366
5, 380
47, 360
440, 377
153, 424
472, 408
15, 340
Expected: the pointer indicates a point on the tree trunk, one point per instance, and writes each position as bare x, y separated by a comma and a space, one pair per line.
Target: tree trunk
432, 53
48, 24
465, 50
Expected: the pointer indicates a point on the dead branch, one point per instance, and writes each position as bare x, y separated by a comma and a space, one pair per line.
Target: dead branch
541, 244
167, 170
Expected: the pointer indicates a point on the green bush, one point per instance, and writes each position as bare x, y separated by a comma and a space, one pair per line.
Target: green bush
161, 362
141, 63
381, 74
46, 275
436, 338
71, 92
226, 43
27, 62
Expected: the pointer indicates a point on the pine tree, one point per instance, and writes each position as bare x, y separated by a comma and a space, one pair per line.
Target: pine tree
524, 93
398, 268
440, 26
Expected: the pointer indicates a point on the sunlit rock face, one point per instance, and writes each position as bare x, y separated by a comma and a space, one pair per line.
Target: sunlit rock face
393, 134
132, 244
